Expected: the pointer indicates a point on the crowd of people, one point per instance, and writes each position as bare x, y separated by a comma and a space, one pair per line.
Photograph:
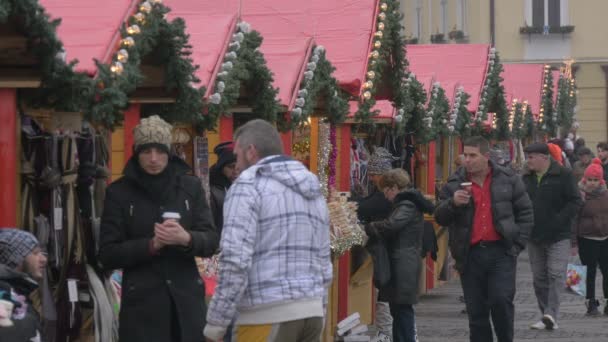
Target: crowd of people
267, 218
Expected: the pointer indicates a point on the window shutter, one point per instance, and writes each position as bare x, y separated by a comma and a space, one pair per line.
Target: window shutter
538, 13
554, 13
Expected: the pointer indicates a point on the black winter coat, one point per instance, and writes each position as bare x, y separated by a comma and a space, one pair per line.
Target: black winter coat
402, 234
218, 186
27, 323
511, 213
374, 207
556, 202
157, 288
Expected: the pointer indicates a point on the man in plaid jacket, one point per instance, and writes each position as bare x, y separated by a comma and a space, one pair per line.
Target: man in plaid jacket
275, 266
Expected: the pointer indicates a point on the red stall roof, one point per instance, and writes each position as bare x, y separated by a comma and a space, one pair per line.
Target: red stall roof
89, 28
210, 33
286, 27
452, 65
524, 82
345, 28
387, 111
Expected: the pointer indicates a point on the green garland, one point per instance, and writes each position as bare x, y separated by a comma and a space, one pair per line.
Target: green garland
547, 121
244, 65
164, 43
410, 115
462, 126
517, 120
388, 56
529, 123
317, 81
437, 114
61, 87
493, 100
566, 103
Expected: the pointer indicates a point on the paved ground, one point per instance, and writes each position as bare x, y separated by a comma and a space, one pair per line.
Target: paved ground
439, 317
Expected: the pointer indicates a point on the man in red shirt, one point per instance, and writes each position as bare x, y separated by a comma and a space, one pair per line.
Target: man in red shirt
489, 215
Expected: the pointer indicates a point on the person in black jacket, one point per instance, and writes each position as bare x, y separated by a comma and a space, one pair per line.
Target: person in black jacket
22, 264
489, 217
556, 200
221, 176
402, 235
163, 296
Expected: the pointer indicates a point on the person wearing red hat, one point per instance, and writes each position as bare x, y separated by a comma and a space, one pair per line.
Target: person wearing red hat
592, 232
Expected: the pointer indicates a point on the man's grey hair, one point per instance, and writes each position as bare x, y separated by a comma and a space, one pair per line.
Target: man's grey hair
262, 135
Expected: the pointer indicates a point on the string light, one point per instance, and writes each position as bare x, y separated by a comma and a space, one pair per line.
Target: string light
384, 7
140, 17
127, 42
371, 75
367, 95
122, 55
133, 29
145, 7
117, 68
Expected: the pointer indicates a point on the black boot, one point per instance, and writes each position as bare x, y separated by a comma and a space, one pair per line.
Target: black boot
592, 305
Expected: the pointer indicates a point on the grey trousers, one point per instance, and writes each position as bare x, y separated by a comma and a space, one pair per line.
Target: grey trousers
549, 262
383, 320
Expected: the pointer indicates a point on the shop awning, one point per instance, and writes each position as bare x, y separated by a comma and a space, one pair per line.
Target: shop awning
452, 65
525, 83
210, 32
89, 29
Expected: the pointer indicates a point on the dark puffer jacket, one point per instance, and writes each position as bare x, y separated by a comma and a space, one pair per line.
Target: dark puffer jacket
157, 288
511, 213
556, 202
16, 287
593, 215
218, 186
402, 233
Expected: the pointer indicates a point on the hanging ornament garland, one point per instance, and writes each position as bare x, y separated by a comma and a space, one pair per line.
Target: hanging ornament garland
317, 81
61, 87
410, 116
323, 157
243, 65
492, 99
460, 119
387, 55
333, 157
148, 33
346, 231
547, 118
517, 120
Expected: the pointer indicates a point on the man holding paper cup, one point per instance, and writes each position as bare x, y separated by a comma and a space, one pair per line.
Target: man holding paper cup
155, 221
489, 216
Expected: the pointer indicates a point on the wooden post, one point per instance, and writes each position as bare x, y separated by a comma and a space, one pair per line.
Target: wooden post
226, 128
132, 116
286, 138
430, 180
8, 155
344, 261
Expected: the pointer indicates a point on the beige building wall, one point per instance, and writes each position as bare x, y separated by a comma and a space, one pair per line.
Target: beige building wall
587, 45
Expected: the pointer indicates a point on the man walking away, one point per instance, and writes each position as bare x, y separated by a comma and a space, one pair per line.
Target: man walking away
556, 201
584, 160
489, 215
275, 265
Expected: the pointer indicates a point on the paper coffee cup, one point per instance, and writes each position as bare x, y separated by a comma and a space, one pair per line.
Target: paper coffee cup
170, 215
466, 186
6, 312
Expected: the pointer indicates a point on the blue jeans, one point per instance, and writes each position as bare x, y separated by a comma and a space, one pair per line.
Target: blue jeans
404, 322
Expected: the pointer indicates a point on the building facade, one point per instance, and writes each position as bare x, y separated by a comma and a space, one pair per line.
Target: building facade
528, 31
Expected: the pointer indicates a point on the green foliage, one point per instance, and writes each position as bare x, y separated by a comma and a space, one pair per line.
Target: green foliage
389, 67
412, 112
493, 100
250, 71
518, 128
317, 82
547, 122
438, 110
566, 102
61, 88
162, 43
463, 116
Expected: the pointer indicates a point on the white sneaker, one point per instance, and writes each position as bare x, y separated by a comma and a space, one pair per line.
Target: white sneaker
549, 322
538, 325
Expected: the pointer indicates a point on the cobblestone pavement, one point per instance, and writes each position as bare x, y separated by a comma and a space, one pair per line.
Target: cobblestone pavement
439, 317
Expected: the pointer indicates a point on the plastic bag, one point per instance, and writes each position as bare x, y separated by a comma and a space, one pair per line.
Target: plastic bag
576, 279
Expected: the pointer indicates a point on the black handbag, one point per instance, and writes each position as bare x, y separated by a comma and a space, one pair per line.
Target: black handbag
382, 264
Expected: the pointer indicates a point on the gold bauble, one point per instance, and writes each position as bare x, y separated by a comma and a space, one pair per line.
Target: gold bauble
371, 75
381, 26
379, 34
117, 68
139, 17
133, 29
127, 42
374, 54
377, 44
145, 7
122, 55
383, 6
382, 16
367, 95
